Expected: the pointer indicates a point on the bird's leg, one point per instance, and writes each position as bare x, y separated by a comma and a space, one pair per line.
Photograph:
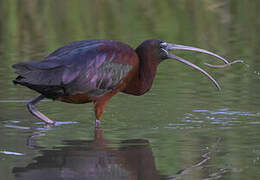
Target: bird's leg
99, 107
100, 104
31, 107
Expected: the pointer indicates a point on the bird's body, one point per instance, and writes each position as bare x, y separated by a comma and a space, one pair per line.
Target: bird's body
91, 68
94, 71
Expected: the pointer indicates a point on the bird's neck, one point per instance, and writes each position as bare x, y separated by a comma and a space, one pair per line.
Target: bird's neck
147, 72
143, 79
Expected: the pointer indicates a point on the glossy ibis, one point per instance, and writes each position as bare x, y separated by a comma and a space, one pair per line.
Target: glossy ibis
95, 70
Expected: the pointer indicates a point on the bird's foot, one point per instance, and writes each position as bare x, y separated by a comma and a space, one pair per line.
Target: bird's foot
97, 123
49, 125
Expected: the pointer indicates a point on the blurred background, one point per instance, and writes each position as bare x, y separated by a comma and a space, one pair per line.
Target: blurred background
182, 121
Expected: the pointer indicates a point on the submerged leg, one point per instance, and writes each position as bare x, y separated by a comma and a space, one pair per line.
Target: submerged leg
99, 107
31, 107
100, 103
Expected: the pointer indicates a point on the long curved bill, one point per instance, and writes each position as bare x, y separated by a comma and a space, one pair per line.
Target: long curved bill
169, 46
189, 48
195, 67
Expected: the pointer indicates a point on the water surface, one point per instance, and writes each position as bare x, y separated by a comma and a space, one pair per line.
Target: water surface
184, 128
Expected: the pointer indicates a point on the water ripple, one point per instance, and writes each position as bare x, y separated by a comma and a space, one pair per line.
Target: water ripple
222, 117
17, 127
11, 153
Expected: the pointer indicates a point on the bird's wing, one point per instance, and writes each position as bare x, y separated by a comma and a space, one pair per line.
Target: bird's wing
80, 67
79, 47
99, 76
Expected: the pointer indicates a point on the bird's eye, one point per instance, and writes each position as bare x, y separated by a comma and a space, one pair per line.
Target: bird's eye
163, 44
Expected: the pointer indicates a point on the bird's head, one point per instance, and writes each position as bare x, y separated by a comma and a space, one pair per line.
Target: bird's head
161, 50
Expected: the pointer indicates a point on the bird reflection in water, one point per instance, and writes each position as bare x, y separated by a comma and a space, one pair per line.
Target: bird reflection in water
93, 159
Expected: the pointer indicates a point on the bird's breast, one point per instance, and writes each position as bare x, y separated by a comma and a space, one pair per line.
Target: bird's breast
76, 99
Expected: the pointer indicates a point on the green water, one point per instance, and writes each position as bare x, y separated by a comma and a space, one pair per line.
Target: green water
184, 128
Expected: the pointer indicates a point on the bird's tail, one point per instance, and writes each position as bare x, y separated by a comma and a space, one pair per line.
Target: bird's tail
17, 80
44, 72
41, 76
23, 70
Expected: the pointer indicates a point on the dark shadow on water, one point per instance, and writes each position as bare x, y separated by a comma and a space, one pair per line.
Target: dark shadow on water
102, 158
92, 159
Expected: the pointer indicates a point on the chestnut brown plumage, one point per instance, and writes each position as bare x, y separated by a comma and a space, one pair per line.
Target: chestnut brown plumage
96, 70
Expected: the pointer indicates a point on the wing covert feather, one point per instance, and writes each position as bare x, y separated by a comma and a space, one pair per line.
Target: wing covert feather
101, 75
